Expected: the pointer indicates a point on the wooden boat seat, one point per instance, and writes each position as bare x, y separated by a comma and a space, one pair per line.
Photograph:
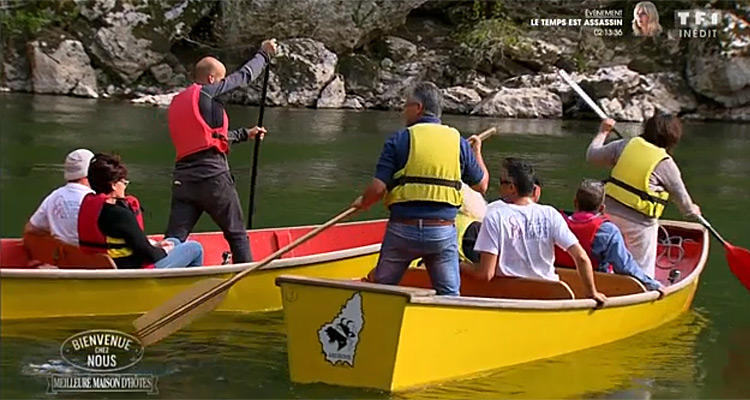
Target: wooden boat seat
609, 284
499, 287
45, 249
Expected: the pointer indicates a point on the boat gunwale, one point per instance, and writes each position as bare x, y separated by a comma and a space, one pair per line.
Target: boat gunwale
206, 270
431, 299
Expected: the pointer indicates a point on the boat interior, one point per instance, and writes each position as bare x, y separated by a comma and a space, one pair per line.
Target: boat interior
679, 253
46, 252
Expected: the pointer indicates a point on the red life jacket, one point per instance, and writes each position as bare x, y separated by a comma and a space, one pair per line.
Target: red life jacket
584, 226
90, 238
190, 133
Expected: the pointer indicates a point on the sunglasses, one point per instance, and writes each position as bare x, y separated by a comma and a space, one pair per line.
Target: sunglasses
125, 182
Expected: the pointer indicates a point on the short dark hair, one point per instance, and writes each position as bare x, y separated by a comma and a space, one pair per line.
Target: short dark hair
590, 195
663, 130
104, 170
429, 96
522, 174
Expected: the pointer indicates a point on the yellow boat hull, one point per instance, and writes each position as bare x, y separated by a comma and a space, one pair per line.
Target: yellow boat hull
80, 293
593, 373
396, 338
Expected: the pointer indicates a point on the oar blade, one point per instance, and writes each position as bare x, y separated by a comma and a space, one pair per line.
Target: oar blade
183, 320
175, 303
738, 259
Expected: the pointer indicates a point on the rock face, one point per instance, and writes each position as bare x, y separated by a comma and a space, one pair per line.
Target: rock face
354, 103
623, 94
298, 75
460, 100
485, 64
162, 73
521, 103
128, 37
62, 68
16, 71
611, 82
384, 84
334, 94
340, 25
395, 48
304, 68
723, 79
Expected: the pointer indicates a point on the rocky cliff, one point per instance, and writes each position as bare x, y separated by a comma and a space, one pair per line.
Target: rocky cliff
363, 53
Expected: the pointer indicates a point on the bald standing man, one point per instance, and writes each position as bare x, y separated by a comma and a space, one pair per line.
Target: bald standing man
199, 128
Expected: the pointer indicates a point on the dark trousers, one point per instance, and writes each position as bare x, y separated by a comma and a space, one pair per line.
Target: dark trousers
218, 197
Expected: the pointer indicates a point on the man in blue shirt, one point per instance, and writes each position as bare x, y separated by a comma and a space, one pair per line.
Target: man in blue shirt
601, 239
419, 172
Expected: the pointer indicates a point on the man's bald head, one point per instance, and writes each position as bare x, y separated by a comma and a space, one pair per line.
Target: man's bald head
209, 70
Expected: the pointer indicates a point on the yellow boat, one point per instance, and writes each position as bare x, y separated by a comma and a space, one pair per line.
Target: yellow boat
395, 338
52, 279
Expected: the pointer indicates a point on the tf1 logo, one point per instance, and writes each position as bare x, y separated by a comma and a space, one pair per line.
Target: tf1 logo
697, 18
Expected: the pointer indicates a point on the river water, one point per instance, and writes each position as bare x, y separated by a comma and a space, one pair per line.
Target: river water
313, 164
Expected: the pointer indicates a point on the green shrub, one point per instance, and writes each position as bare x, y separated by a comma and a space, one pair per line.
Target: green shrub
28, 18
490, 37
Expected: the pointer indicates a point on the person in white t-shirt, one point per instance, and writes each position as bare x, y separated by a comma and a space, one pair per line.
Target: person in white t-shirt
518, 236
58, 213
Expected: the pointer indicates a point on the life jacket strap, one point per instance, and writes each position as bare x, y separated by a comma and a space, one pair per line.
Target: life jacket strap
403, 180
640, 193
219, 136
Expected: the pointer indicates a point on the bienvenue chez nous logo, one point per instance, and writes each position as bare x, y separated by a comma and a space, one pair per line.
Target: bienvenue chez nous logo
99, 353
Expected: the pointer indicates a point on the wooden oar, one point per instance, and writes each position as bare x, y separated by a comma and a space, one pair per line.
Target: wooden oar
207, 294
487, 133
738, 258
256, 150
586, 98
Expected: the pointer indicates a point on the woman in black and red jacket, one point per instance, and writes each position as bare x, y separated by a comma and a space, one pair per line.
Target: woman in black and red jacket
111, 222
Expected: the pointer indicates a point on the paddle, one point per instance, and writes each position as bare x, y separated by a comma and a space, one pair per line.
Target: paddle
586, 98
738, 258
487, 133
207, 294
256, 150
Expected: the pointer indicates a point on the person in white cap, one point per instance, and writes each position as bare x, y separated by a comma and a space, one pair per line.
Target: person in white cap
58, 213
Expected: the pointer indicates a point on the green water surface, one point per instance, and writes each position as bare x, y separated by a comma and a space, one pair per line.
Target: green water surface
313, 164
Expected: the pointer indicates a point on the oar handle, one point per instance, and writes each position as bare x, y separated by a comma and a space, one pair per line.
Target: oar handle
487, 133
711, 229
586, 98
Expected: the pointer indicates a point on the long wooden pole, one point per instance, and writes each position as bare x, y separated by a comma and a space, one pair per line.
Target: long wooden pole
256, 151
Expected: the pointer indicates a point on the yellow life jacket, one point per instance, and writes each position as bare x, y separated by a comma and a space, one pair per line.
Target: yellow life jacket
462, 224
433, 167
628, 181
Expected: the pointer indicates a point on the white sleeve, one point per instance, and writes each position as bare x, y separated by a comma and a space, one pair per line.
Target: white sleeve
40, 218
562, 234
488, 239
